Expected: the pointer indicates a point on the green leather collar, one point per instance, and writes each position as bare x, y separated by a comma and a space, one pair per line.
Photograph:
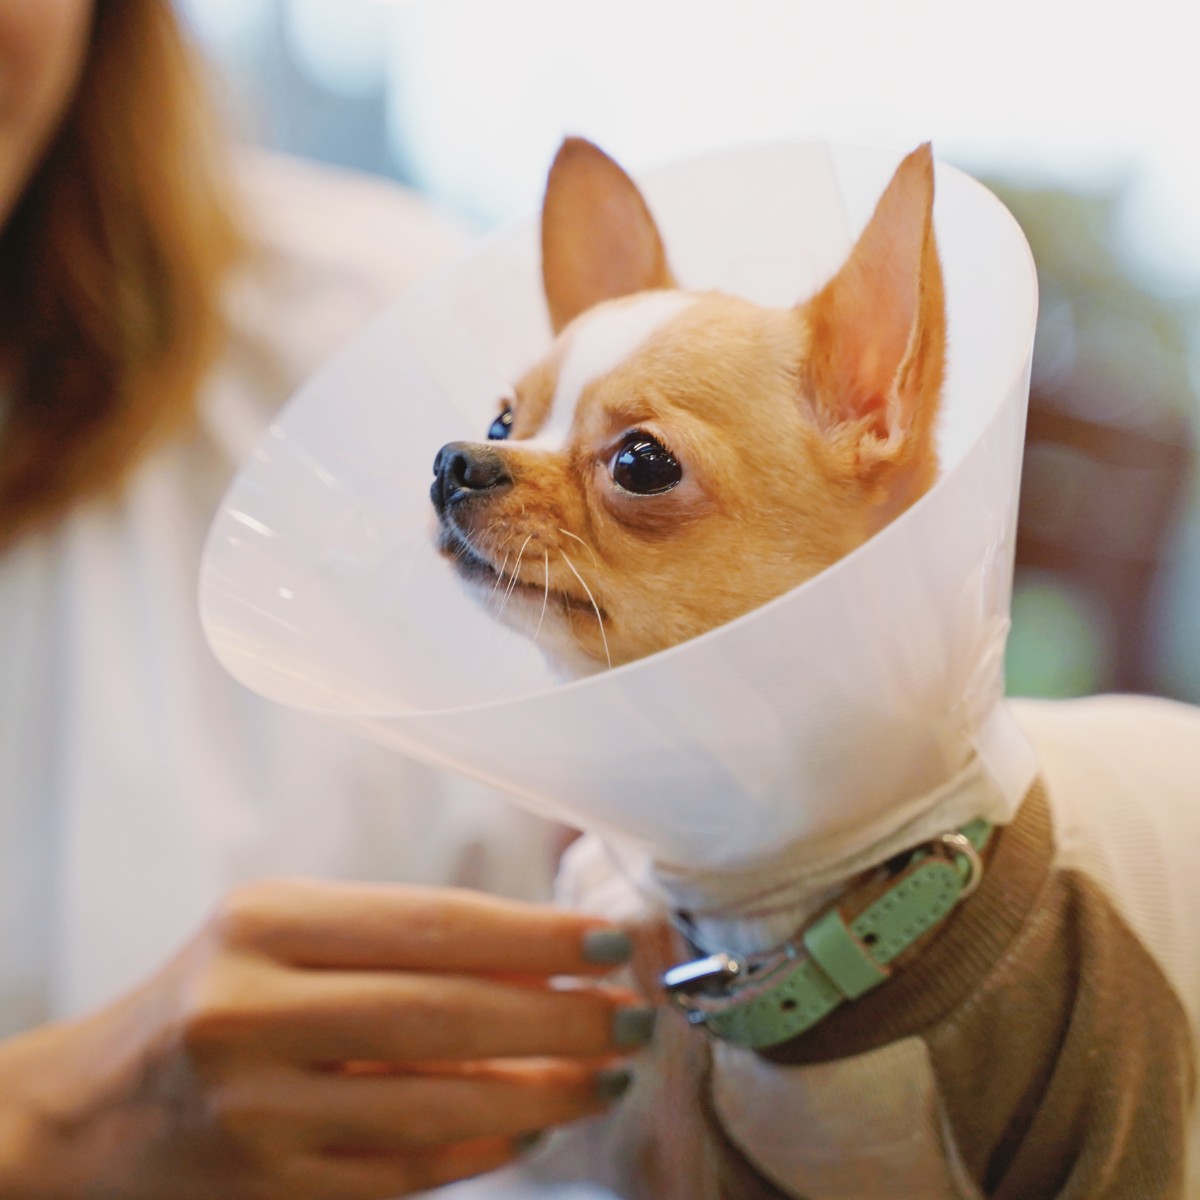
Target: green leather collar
768, 999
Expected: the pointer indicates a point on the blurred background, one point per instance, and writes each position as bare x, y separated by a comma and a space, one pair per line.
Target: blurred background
1081, 117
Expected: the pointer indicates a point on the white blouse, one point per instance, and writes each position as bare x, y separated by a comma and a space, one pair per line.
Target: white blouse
138, 782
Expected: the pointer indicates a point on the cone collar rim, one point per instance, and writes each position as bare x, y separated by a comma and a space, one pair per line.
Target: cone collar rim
827, 578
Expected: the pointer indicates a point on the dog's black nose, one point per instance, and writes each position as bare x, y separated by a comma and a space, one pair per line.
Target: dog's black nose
465, 469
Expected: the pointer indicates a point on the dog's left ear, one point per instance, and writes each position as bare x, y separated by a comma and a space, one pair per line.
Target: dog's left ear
599, 240
878, 332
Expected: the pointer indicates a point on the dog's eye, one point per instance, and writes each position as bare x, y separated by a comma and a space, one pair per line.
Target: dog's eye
645, 466
501, 427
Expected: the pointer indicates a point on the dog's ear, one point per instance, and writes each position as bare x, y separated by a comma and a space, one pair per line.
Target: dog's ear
878, 331
599, 240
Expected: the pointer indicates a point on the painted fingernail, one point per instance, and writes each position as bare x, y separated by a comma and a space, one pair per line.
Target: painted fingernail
607, 947
633, 1027
526, 1143
612, 1084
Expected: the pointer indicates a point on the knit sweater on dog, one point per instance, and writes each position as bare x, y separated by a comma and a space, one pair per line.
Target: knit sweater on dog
1042, 1046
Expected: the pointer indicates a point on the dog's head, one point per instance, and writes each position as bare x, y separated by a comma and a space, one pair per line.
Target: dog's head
679, 458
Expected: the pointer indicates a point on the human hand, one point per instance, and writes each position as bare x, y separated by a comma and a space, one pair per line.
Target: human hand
326, 1041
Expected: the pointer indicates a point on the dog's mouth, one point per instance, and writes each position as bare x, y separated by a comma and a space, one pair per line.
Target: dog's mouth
475, 567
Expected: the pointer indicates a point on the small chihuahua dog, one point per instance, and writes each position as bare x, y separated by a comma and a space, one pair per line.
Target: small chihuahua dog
678, 458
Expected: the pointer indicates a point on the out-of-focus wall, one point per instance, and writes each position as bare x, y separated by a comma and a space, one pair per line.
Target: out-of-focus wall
1082, 122
1108, 548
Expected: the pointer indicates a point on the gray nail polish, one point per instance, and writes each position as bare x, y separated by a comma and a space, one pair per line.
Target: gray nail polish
633, 1027
526, 1143
607, 947
612, 1084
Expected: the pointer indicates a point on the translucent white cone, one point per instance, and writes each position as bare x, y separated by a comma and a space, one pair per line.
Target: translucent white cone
823, 712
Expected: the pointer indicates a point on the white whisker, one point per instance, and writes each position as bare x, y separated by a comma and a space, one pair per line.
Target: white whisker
546, 597
512, 583
599, 618
499, 576
568, 533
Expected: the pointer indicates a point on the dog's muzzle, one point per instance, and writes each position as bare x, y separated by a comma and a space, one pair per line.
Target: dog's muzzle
465, 471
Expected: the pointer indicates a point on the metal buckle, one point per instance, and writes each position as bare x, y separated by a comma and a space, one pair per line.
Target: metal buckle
709, 974
959, 844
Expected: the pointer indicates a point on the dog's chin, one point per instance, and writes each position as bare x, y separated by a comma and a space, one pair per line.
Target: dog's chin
545, 616
482, 577
469, 564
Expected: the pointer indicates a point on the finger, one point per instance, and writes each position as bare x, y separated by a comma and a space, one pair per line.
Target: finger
381, 1177
417, 1113
372, 927
334, 1017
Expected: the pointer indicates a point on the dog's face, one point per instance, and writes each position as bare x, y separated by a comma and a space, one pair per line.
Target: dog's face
678, 458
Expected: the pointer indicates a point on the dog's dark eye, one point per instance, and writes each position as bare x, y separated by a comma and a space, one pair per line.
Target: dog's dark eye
501, 427
645, 466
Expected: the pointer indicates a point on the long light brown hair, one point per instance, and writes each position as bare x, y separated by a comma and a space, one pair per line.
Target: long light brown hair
111, 270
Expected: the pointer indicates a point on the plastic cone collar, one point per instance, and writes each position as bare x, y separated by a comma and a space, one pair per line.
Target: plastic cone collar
824, 712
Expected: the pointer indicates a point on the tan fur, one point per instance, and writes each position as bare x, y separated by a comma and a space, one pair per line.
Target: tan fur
801, 431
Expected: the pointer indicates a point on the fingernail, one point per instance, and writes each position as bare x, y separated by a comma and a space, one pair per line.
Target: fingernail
526, 1143
612, 1084
607, 947
633, 1027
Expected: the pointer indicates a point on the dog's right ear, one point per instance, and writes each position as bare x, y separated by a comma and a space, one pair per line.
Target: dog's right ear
599, 240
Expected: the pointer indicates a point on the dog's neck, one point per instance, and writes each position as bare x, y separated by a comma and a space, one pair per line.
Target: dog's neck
761, 905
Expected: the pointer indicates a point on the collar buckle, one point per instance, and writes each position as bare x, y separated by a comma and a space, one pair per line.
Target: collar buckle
711, 974
962, 853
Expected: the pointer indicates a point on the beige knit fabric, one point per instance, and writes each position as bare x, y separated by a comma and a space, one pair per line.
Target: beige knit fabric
1042, 1045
